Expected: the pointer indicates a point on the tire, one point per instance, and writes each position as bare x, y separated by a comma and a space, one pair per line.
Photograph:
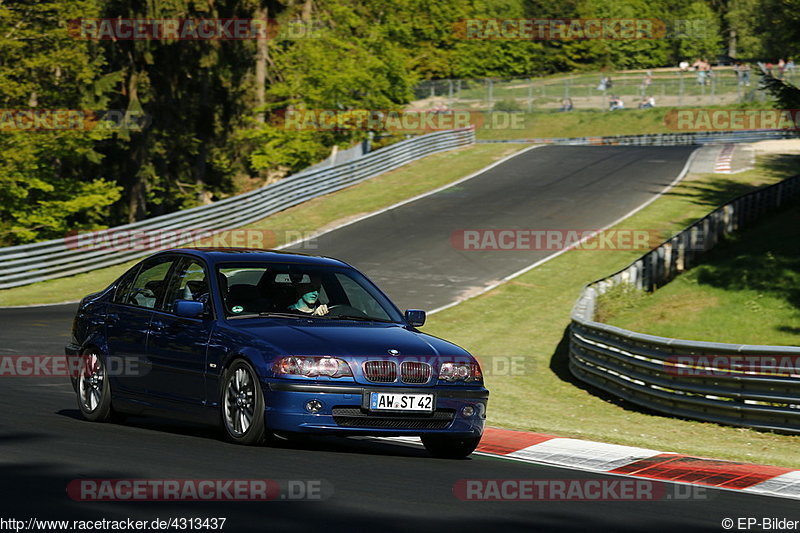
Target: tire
242, 404
450, 447
93, 389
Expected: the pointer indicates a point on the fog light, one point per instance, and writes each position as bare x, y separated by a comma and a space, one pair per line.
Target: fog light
314, 406
468, 411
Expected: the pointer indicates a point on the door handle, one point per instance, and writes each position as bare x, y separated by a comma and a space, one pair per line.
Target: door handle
157, 326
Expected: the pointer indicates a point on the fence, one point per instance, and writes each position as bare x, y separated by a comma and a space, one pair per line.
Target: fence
31, 263
669, 87
681, 377
660, 139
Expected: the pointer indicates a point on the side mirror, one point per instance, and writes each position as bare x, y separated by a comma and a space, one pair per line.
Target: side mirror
415, 317
189, 308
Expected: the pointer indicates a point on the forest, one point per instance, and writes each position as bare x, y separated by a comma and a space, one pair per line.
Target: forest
190, 121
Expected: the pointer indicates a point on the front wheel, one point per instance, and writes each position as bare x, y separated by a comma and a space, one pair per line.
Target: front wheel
450, 447
243, 404
93, 389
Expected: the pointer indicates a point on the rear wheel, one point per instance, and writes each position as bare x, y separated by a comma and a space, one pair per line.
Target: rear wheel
450, 447
242, 404
93, 389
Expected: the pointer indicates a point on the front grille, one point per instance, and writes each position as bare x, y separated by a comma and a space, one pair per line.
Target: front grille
354, 417
414, 372
380, 371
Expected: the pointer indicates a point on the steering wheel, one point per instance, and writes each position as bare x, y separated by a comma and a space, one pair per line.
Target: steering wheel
342, 309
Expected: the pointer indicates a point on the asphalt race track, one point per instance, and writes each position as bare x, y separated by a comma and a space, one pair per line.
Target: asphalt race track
409, 251
369, 485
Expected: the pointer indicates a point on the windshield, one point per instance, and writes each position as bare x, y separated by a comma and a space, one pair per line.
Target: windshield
293, 290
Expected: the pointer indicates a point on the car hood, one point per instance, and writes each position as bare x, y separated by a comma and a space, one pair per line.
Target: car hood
348, 339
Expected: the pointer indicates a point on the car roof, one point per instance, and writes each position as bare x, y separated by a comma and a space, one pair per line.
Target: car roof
236, 255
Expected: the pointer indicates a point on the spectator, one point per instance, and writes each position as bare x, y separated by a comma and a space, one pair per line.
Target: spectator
647, 103
781, 68
604, 83
790, 68
566, 104
744, 70
683, 65
648, 79
700, 66
615, 103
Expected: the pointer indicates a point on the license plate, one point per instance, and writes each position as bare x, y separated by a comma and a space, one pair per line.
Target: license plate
394, 401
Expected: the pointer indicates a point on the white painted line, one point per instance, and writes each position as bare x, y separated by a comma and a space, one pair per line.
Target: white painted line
486, 289
37, 305
414, 198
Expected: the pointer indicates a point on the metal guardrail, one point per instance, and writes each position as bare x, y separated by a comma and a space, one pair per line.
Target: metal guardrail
702, 380
660, 139
31, 263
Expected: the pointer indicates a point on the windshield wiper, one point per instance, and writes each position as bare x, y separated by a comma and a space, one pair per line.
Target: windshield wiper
279, 314
360, 318
269, 314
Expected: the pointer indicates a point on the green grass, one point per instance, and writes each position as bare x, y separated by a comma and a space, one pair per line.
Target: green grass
418, 177
584, 122
527, 317
746, 291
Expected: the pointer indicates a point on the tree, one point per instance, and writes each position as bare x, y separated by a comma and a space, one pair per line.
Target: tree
48, 179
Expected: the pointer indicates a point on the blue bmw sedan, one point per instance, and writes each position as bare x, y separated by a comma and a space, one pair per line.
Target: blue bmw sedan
267, 343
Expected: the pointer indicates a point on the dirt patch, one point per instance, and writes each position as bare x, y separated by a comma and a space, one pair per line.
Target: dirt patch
778, 146
685, 304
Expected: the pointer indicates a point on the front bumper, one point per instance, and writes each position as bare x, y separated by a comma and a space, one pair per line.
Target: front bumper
345, 410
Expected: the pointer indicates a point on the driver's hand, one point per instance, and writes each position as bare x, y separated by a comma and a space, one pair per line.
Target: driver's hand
322, 309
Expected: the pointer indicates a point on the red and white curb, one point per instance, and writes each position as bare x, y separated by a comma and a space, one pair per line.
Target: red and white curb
636, 462
723, 163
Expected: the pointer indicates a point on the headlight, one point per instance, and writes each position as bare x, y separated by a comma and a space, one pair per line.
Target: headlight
467, 372
312, 366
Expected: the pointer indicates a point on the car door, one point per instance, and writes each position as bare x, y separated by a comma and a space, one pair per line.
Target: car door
176, 346
128, 323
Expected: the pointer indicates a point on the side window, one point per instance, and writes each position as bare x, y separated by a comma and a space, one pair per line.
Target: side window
189, 283
150, 283
124, 287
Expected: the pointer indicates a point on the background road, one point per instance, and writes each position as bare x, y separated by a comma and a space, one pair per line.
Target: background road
377, 486
408, 251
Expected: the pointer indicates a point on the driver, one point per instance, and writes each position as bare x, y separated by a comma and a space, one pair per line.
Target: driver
308, 298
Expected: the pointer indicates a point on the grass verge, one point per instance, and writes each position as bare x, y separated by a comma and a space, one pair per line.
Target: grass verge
746, 291
528, 316
583, 122
415, 178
